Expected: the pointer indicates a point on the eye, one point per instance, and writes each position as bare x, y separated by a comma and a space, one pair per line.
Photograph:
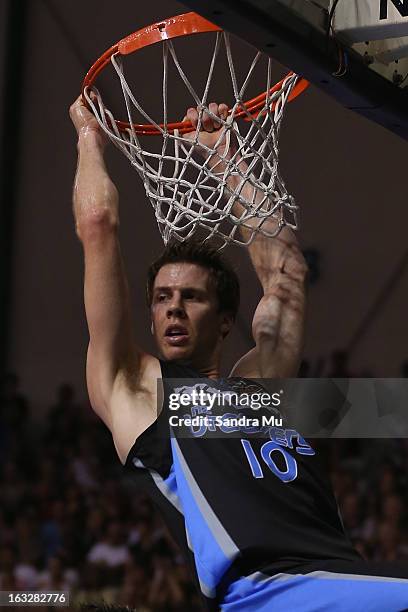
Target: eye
161, 297
190, 295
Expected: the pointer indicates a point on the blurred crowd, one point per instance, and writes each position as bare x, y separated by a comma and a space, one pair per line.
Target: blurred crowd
71, 520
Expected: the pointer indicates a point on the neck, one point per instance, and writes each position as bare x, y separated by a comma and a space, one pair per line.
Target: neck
207, 369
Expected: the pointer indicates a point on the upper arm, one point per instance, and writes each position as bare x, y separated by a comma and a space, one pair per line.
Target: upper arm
278, 330
247, 366
133, 410
278, 327
122, 379
112, 346
278, 322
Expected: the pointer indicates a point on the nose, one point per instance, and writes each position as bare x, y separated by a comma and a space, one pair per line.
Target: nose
176, 308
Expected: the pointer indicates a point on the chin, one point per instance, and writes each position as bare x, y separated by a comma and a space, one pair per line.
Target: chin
173, 353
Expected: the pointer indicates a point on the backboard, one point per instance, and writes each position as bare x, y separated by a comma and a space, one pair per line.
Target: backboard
354, 50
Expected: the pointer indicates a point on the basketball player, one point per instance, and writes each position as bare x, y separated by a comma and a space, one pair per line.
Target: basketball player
252, 509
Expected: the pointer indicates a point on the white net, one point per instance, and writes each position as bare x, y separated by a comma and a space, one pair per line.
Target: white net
226, 191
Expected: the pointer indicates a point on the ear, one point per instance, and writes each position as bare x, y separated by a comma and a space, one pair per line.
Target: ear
152, 328
227, 323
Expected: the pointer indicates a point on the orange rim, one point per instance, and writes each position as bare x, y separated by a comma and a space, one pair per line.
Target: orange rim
174, 27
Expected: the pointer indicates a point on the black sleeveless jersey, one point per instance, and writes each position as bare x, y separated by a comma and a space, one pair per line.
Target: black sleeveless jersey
255, 501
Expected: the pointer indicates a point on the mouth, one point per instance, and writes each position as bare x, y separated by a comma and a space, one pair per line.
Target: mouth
176, 335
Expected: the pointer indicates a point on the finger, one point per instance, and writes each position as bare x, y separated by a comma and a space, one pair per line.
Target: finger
77, 113
223, 111
81, 118
73, 107
213, 107
207, 122
192, 116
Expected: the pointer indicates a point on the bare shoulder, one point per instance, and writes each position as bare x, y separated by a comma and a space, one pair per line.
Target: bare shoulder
134, 404
248, 365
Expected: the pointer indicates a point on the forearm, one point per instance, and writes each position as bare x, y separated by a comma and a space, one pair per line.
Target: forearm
222, 156
269, 250
268, 253
95, 197
278, 328
106, 292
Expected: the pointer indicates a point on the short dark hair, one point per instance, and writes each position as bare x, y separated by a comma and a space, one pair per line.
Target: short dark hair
208, 257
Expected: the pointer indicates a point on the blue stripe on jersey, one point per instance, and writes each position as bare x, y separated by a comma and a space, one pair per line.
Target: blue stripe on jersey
171, 481
213, 548
167, 486
315, 592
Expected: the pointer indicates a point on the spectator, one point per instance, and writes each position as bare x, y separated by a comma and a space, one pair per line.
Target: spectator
55, 513
64, 416
56, 577
27, 535
112, 550
351, 514
84, 466
26, 572
135, 589
387, 546
7, 563
52, 529
13, 489
165, 589
392, 509
14, 408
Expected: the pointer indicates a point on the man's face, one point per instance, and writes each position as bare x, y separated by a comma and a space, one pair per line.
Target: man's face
185, 317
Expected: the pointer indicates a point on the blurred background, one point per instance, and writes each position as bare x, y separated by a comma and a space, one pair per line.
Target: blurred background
67, 516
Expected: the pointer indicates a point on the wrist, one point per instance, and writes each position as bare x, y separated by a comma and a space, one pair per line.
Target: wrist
91, 138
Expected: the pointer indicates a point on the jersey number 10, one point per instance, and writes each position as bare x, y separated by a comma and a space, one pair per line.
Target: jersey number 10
267, 450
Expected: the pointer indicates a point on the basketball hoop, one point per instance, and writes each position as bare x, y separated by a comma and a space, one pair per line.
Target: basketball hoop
235, 184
